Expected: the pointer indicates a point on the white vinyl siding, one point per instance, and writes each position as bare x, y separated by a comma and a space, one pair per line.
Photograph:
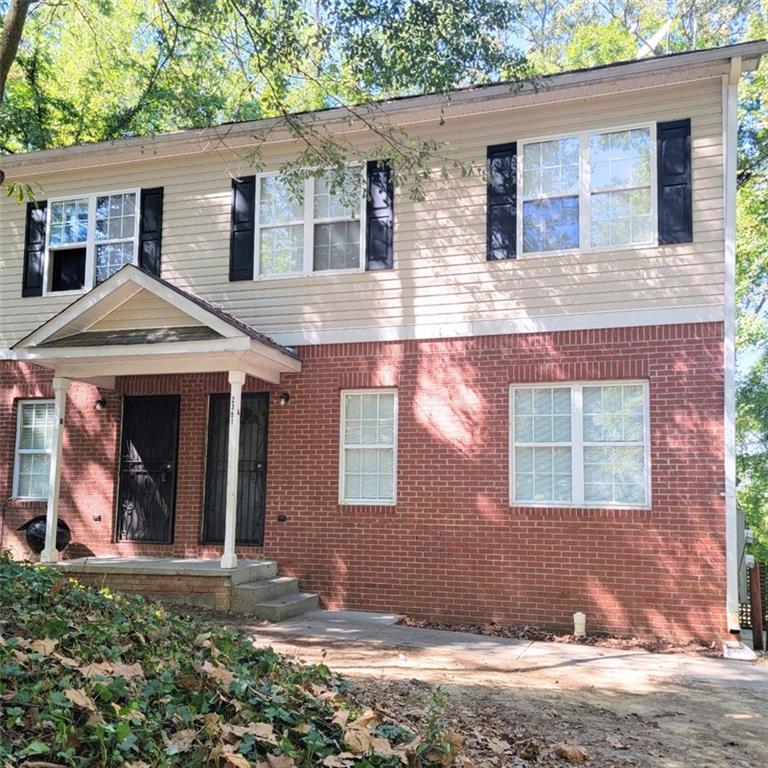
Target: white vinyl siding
368, 471
34, 441
441, 283
580, 445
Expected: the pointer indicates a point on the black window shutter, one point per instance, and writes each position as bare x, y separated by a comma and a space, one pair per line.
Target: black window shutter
241, 237
675, 203
501, 217
380, 215
34, 249
151, 230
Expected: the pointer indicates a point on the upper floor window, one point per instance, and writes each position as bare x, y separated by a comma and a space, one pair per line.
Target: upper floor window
89, 238
317, 231
589, 190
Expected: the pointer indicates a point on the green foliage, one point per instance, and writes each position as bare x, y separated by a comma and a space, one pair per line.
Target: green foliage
92, 678
95, 70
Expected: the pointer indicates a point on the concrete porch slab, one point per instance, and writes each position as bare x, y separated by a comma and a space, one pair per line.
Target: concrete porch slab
244, 571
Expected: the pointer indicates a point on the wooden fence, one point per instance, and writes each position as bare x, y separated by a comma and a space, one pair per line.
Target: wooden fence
745, 617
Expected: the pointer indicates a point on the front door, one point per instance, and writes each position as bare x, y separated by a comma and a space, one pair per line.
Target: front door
252, 472
147, 485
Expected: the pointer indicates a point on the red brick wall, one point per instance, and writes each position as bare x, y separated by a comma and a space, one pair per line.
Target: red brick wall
452, 547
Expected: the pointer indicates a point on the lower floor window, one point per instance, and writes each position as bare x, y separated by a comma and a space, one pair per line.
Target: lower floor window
580, 444
34, 439
368, 446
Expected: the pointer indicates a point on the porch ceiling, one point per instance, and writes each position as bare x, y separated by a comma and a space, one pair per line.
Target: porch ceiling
136, 324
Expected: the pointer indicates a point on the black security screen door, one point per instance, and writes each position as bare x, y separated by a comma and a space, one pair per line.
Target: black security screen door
252, 474
147, 490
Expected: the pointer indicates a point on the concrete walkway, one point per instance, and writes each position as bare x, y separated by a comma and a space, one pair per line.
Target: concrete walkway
355, 642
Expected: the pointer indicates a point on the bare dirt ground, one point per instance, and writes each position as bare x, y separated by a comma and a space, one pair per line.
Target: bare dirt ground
518, 703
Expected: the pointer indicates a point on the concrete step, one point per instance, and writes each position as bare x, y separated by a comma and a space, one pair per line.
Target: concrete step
286, 606
245, 596
254, 571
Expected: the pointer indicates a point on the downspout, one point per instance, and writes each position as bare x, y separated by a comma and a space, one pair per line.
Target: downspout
730, 119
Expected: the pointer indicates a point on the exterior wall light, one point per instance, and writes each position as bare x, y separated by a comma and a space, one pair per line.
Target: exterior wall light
284, 398
100, 404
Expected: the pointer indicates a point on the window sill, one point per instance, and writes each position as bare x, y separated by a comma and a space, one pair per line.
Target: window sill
556, 505
56, 294
582, 252
24, 501
367, 503
319, 273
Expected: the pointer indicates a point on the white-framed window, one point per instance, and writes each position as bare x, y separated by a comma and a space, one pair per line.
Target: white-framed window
368, 461
89, 237
580, 444
34, 442
322, 230
588, 190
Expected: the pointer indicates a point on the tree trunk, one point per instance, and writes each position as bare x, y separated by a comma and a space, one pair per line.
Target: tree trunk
10, 37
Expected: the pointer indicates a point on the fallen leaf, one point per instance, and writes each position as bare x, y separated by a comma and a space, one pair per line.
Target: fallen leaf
80, 699
280, 761
498, 746
358, 741
46, 646
573, 753
261, 731
341, 718
219, 674
128, 671
66, 661
342, 760
96, 669
182, 741
236, 759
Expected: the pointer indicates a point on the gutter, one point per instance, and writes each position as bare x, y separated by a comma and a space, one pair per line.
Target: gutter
730, 125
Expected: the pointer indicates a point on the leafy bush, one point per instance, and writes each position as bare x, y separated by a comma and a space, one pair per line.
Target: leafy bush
91, 678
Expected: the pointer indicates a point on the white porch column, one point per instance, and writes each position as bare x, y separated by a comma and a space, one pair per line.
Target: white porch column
236, 381
50, 553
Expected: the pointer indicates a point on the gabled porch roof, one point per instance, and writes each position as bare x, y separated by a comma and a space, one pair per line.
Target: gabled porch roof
135, 323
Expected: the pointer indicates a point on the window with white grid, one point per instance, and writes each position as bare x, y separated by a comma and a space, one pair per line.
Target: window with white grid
587, 190
34, 441
580, 444
368, 446
542, 452
89, 238
319, 229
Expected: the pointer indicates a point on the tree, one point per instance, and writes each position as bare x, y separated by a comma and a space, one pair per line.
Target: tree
93, 70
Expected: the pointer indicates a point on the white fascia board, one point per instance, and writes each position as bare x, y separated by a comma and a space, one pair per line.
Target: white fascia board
543, 324
107, 351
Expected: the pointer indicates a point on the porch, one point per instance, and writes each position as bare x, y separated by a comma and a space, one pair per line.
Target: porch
251, 587
135, 324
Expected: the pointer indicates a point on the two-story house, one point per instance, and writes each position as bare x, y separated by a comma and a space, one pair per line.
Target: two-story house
511, 400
